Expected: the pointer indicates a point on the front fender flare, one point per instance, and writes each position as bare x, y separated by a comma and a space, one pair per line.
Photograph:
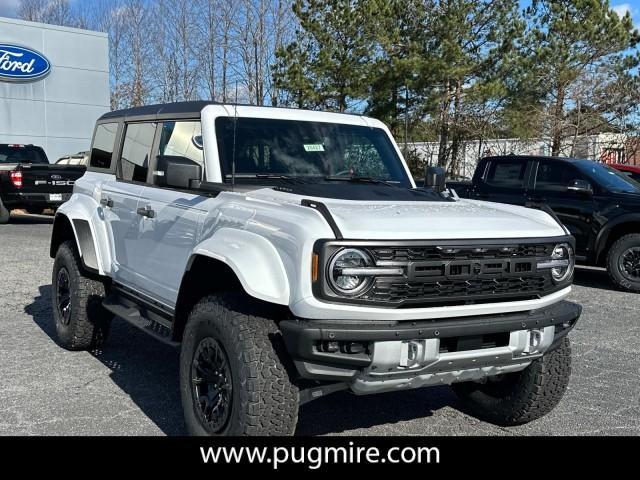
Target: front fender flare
253, 259
605, 231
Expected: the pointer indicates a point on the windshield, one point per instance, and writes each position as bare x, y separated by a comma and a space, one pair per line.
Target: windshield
22, 154
608, 178
268, 148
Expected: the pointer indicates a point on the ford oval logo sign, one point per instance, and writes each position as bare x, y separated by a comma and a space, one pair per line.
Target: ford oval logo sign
21, 64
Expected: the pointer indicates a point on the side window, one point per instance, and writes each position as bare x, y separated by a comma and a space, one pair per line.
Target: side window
556, 176
102, 148
136, 150
506, 173
182, 139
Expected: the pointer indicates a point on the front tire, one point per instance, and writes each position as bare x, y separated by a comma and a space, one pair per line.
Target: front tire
623, 262
521, 397
234, 371
82, 323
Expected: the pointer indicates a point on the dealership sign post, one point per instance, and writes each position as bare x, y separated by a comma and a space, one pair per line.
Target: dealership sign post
22, 64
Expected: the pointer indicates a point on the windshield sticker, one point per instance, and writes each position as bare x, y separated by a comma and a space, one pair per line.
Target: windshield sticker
313, 147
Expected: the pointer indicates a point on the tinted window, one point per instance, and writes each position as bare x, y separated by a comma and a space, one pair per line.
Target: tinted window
102, 147
182, 139
556, 176
306, 149
22, 154
607, 177
507, 173
134, 161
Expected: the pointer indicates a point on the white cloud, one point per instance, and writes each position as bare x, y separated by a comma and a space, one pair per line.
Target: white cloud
622, 9
8, 8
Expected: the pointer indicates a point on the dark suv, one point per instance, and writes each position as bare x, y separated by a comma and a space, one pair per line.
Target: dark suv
599, 205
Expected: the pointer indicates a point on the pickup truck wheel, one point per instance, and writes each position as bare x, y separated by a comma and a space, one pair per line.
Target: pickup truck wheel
518, 398
623, 262
5, 214
82, 323
234, 371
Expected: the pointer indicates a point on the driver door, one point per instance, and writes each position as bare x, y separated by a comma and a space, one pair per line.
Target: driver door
575, 210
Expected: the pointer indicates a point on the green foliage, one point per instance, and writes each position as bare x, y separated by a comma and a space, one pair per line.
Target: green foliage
456, 70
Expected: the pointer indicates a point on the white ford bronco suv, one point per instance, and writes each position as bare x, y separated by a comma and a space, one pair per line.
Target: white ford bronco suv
290, 255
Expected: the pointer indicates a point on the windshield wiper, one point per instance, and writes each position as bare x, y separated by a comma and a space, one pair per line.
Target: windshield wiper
270, 176
360, 179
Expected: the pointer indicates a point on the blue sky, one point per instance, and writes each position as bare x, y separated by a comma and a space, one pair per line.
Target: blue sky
8, 8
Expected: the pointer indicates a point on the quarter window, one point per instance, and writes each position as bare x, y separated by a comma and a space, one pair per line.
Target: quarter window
182, 139
102, 147
136, 150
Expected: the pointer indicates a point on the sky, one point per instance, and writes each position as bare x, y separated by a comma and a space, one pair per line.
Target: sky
8, 8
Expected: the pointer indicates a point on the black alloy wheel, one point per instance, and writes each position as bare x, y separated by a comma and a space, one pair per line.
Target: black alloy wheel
63, 296
212, 385
629, 263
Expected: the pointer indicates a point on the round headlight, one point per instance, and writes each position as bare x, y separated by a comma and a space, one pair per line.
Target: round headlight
564, 252
349, 258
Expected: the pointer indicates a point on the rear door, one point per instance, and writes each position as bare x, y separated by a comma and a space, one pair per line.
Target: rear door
503, 180
169, 234
120, 195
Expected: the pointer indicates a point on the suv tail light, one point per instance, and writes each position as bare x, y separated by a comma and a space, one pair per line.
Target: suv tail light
16, 178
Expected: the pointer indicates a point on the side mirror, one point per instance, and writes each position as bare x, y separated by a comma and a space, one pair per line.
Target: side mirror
435, 178
580, 186
176, 172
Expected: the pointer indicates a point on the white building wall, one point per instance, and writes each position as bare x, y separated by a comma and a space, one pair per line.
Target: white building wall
59, 112
595, 147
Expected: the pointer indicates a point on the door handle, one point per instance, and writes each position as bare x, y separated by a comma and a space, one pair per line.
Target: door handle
537, 199
106, 202
146, 212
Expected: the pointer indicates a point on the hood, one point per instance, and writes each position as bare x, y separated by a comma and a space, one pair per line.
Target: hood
460, 219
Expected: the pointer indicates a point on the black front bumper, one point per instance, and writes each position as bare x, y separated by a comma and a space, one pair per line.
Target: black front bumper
304, 337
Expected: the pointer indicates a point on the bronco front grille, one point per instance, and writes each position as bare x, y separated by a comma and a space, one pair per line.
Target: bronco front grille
448, 292
447, 273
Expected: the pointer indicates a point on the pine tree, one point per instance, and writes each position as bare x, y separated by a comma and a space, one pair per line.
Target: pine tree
327, 65
566, 41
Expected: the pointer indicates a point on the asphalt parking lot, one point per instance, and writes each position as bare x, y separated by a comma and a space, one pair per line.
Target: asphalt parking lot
130, 387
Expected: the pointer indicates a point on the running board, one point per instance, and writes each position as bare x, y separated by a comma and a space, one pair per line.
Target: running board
125, 309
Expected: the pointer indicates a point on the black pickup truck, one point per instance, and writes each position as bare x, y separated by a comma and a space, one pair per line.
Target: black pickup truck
28, 181
597, 204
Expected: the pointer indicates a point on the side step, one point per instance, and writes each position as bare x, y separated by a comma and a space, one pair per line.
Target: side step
127, 310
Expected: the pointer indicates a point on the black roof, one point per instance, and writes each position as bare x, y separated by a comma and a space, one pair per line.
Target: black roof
164, 111
536, 157
160, 111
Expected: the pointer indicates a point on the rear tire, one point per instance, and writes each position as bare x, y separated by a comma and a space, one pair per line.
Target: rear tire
5, 214
82, 323
234, 371
518, 398
623, 262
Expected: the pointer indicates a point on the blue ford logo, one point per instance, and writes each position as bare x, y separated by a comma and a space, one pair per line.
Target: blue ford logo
21, 64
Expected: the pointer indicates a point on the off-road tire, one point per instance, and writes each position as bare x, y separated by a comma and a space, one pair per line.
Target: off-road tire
616, 250
520, 397
264, 399
88, 322
5, 214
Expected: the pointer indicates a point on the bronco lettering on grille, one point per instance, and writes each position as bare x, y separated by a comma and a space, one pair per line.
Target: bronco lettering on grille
464, 269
